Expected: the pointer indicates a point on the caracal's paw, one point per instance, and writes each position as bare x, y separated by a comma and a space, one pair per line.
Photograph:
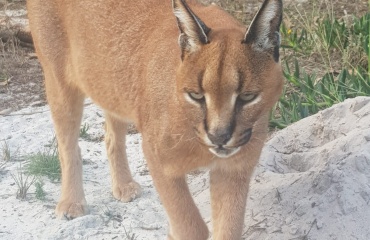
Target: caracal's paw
71, 210
127, 192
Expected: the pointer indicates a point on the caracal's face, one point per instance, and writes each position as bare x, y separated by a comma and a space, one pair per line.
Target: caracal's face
225, 88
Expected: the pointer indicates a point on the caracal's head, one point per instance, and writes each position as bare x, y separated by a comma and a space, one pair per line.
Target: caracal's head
228, 78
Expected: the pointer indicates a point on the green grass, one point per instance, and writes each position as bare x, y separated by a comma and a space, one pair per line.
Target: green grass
84, 131
45, 163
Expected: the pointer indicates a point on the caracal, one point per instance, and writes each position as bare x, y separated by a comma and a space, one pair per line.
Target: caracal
197, 84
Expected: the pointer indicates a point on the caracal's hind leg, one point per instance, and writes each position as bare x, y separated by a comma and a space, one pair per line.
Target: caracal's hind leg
123, 186
228, 198
66, 104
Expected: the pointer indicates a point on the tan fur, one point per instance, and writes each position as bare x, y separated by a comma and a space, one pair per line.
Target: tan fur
125, 56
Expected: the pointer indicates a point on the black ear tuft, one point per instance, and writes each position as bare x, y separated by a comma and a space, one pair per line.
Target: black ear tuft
263, 33
193, 31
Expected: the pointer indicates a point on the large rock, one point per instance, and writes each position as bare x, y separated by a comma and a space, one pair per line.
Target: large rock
313, 181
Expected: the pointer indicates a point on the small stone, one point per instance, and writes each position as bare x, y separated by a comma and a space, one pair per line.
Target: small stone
362, 162
300, 212
367, 138
337, 175
6, 111
346, 206
274, 229
288, 220
38, 103
319, 224
293, 230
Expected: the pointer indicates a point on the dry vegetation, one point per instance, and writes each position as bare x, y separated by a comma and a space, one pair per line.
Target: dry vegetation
20, 73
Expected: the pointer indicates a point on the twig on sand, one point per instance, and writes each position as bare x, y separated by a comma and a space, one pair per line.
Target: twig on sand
31, 113
22, 114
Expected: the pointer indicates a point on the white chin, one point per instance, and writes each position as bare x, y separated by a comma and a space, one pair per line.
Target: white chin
224, 153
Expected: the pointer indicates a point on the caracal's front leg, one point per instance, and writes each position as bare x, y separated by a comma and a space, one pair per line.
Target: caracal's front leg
228, 198
66, 105
184, 218
123, 186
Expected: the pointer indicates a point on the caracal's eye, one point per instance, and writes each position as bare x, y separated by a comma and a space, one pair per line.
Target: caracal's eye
196, 96
247, 97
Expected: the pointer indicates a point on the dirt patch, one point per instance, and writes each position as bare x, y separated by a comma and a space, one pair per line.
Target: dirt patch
20, 82
21, 79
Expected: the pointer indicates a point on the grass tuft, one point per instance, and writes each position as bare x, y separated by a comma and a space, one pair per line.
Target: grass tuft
46, 163
84, 131
5, 152
24, 181
129, 235
7, 155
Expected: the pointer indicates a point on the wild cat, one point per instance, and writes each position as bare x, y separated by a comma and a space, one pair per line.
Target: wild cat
195, 82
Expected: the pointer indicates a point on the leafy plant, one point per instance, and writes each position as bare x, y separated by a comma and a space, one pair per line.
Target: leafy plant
295, 39
361, 27
306, 94
332, 33
40, 193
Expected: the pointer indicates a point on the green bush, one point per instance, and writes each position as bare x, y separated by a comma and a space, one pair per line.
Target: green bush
343, 49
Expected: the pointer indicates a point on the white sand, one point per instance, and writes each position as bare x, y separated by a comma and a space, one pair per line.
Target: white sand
313, 182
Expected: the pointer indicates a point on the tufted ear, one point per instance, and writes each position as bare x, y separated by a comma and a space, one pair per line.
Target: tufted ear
193, 31
263, 33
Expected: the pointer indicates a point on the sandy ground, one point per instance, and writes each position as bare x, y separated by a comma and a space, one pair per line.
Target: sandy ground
313, 182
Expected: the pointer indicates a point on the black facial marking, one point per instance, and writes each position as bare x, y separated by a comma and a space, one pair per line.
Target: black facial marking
276, 54
205, 122
241, 78
200, 81
245, 137
233, 124
238, 106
